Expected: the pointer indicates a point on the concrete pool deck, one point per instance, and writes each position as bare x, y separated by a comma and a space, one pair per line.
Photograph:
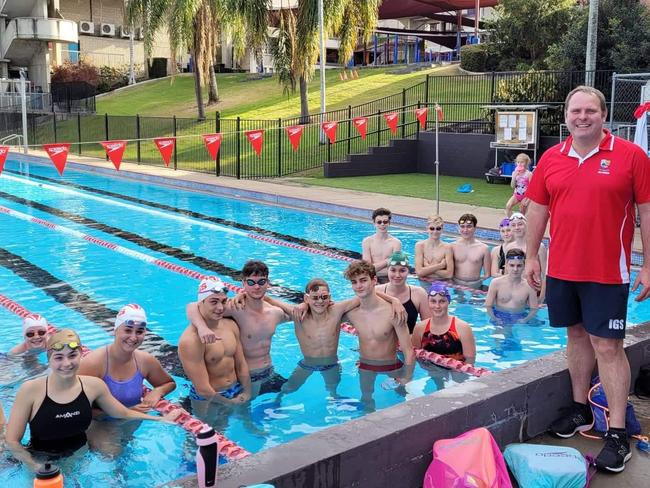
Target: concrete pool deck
351, 203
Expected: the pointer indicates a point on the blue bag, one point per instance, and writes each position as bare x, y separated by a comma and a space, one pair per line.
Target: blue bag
541, 466
601, 416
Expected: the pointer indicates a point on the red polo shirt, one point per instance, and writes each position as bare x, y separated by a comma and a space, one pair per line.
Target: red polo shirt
591, 205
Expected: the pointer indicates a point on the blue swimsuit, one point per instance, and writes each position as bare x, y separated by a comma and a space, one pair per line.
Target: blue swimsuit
127, 392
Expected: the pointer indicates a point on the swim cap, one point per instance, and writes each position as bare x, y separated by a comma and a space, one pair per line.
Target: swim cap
505, 223
130, 313
439, 288
34, 320
398, 258
65, 337
210, 285
517, 215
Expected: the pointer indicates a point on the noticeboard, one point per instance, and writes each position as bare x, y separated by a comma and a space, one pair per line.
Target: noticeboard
515, 127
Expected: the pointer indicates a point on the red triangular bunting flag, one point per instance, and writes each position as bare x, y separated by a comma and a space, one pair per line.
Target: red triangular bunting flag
58, 153
439, 112
330, 130
166, 147
361, 124
391, 121
115, 151
4, 152
421, 115
295, 134
256, 138
212, 143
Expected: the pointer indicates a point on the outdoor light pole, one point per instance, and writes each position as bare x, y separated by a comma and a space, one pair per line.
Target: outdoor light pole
131, 60
23, 103
437, 162
592, 37
321, 25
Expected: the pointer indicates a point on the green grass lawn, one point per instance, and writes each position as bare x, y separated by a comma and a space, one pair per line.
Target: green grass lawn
422, 186
259, 99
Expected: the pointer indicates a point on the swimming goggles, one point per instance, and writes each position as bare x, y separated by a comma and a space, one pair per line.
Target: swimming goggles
436, 228
31, 334
466, 222
58, 346
134, 323
260, 282
382, 222
322, 298
440, 293
522, 258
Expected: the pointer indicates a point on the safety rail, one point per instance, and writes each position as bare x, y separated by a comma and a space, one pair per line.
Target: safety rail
11, 137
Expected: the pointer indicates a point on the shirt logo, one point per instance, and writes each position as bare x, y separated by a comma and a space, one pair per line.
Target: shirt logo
604, 166
67, 415
617, 324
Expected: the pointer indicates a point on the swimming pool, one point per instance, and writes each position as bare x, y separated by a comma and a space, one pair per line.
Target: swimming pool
80, 284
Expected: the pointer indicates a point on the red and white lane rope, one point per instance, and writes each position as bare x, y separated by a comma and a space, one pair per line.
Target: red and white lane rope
434, 358
114, 247
280, 242
191, 424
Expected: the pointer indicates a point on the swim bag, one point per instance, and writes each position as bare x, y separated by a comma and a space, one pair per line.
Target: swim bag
471, 460
540, 466
599, 406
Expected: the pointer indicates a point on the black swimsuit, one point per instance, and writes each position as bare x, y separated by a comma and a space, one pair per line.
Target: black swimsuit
60, 427
502, 260
411, 311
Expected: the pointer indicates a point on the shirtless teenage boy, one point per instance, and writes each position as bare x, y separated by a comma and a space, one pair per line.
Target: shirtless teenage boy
257, 322
378, 247
519, 225
218, 371
510, 299
471, 256
434, 259
379, 332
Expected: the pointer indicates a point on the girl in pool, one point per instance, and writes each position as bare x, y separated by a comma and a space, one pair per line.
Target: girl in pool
520, 178
444, 334
35, 335
57, 407
124, 368
498, 253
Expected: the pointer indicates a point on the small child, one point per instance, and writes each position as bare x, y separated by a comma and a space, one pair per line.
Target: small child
520, 180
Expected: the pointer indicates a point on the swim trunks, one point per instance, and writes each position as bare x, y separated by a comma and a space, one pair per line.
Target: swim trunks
312, 364
476, 284
271, 381
380, 368
231, 392
508, 317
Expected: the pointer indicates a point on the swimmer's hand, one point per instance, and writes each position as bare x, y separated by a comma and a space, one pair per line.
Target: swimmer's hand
238, 302
399, 312
643, 278
242, 398
141, 407
533, 273
207, 335
299, 312
151, 399
170, 418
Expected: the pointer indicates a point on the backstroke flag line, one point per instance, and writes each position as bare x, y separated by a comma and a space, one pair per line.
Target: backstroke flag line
295, 134
166, 147
212, 143
4, 152
114, 151
361, 124
58, 153
256, 138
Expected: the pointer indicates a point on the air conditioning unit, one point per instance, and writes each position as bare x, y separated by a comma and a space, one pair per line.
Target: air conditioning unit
125, 31
107, 30
86, 27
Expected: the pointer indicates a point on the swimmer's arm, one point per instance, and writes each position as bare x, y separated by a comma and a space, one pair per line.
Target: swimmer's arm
404, 339
423, 302
537, 216
343, 307
242, 371
532, 303
206, 335
158, 378
467, 340
416, 337
18, 420
490, 299
495, 271
19, 349
287, 309
487, 264
398, 309
366, 255
191, 355
420, 269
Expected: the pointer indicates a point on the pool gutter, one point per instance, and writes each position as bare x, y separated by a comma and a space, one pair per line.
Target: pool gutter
392, 447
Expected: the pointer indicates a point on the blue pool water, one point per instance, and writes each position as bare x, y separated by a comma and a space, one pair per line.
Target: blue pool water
77, 284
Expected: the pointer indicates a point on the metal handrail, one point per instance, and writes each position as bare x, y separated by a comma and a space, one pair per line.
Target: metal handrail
11, 137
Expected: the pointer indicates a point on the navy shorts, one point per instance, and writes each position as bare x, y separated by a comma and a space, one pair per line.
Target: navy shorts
600, 308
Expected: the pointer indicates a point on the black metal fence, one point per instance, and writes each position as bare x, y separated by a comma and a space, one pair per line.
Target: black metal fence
462, 97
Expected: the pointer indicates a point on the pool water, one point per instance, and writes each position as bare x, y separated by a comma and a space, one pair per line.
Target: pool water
75, 283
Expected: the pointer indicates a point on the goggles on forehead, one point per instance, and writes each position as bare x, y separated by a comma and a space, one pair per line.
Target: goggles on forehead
400, 263
58, 346
519, 258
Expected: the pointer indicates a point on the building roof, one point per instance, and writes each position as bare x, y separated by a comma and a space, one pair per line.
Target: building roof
395, 9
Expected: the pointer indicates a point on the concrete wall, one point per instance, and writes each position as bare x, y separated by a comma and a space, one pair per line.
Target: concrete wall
392, 448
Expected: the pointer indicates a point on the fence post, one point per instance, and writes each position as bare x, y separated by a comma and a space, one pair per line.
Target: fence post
217, 129
426, 90
238, 128
280, 146
79, 131
492, 82
137, 134
106, 130
329, 151
54, 125
175, 146
349, 128
417, 125
403, 111
378, 128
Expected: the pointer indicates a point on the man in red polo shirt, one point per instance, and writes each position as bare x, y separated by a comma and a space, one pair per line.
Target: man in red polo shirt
588, 186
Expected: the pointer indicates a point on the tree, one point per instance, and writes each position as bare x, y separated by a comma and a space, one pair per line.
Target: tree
623, 39
522, 30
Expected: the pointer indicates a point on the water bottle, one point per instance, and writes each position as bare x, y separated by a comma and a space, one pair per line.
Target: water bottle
48, 476
207, 457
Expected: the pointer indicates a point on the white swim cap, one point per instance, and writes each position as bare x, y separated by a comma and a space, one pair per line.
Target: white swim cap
131, 313
34, 320
210, 285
